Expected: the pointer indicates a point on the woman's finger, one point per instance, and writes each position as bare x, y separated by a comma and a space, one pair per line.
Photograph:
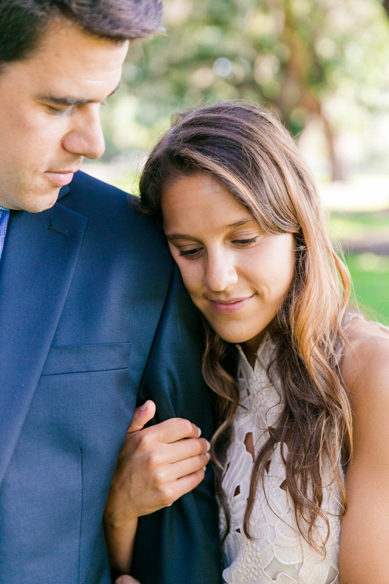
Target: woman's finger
182, 450
185, 485
126, 580
171, 430
142, 415
188, 466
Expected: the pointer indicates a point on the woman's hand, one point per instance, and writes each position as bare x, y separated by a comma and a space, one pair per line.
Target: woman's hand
156, 466
120, 540
126, 580
142, 415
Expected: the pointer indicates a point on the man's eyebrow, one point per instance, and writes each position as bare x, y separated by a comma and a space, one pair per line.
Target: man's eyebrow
70, 101
175, 236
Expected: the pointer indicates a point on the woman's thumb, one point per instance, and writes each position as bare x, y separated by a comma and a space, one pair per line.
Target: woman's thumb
142, 415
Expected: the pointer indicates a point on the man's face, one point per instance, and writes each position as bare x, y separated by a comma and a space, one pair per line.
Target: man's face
49, 113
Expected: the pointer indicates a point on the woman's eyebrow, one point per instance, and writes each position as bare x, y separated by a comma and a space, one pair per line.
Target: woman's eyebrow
175, 236
242, 222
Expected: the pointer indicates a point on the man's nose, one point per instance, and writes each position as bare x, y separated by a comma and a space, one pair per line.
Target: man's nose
86, 138
221, 272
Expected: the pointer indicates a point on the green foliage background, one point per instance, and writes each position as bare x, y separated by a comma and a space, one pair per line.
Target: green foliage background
305, 59
301, 58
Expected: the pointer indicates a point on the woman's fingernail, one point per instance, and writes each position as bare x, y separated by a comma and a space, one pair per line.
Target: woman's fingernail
199, 431
144, 406
208, 445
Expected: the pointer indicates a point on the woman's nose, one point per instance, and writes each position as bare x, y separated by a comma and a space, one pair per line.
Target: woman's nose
220, 272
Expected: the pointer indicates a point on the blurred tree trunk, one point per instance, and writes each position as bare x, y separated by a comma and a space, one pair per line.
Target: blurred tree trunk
386, 6
310, 103
298, 67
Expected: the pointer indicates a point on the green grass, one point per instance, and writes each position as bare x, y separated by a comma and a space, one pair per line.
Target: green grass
357, 225
370, 274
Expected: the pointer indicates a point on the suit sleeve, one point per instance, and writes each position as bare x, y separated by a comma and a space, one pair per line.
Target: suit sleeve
180, 544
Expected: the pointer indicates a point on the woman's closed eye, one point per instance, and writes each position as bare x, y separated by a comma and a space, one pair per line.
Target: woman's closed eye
191, 253
243, 242
196, 252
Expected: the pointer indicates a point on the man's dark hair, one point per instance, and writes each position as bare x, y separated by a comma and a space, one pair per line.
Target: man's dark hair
23, 22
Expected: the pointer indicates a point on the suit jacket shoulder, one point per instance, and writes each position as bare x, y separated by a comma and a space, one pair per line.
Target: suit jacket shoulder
109, 208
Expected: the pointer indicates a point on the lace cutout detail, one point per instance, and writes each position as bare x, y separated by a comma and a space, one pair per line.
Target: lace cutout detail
277, 553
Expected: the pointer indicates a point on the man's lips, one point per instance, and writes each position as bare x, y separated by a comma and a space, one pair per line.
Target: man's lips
231, 305
60, 177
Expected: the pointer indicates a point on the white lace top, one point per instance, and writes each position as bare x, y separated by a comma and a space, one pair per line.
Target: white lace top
277, 553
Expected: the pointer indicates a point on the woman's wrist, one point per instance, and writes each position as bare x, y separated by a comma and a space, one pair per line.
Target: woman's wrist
120, 537
118, 522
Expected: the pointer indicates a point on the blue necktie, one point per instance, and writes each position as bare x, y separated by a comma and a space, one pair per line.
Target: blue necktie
4, 217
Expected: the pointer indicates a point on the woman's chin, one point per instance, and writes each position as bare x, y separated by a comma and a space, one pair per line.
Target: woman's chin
251, 338
236, 338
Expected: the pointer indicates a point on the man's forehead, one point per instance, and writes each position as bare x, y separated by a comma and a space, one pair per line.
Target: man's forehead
60, 30
65, 41
73, 66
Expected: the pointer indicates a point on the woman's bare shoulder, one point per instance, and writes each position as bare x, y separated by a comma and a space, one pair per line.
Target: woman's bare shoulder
365, 359
365, 368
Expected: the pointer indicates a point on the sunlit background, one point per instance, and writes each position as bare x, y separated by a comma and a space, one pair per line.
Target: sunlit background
321, 65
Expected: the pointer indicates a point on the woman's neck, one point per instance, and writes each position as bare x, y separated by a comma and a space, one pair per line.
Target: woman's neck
250, 347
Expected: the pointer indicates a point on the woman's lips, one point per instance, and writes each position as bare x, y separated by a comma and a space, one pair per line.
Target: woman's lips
229, 306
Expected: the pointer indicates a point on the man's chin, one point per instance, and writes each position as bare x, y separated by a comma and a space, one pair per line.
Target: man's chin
42, 203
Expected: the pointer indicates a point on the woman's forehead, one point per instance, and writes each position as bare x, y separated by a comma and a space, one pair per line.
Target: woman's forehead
201, 201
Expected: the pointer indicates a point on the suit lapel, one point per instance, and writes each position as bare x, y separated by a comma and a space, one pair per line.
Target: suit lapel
39, 257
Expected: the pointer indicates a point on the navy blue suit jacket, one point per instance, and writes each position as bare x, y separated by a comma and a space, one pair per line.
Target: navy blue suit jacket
93, 316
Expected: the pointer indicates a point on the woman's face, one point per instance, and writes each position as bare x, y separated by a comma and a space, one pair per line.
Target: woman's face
235, 273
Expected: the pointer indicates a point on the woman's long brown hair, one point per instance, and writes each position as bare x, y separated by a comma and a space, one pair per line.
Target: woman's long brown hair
251, 154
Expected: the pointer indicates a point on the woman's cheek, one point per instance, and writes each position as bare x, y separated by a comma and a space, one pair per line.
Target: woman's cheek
191, 279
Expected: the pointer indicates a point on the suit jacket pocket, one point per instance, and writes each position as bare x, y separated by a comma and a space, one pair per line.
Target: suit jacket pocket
84, 358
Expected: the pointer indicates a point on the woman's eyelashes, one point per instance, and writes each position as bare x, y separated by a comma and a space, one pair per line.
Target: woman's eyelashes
245, 241
196, 252
191, 253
